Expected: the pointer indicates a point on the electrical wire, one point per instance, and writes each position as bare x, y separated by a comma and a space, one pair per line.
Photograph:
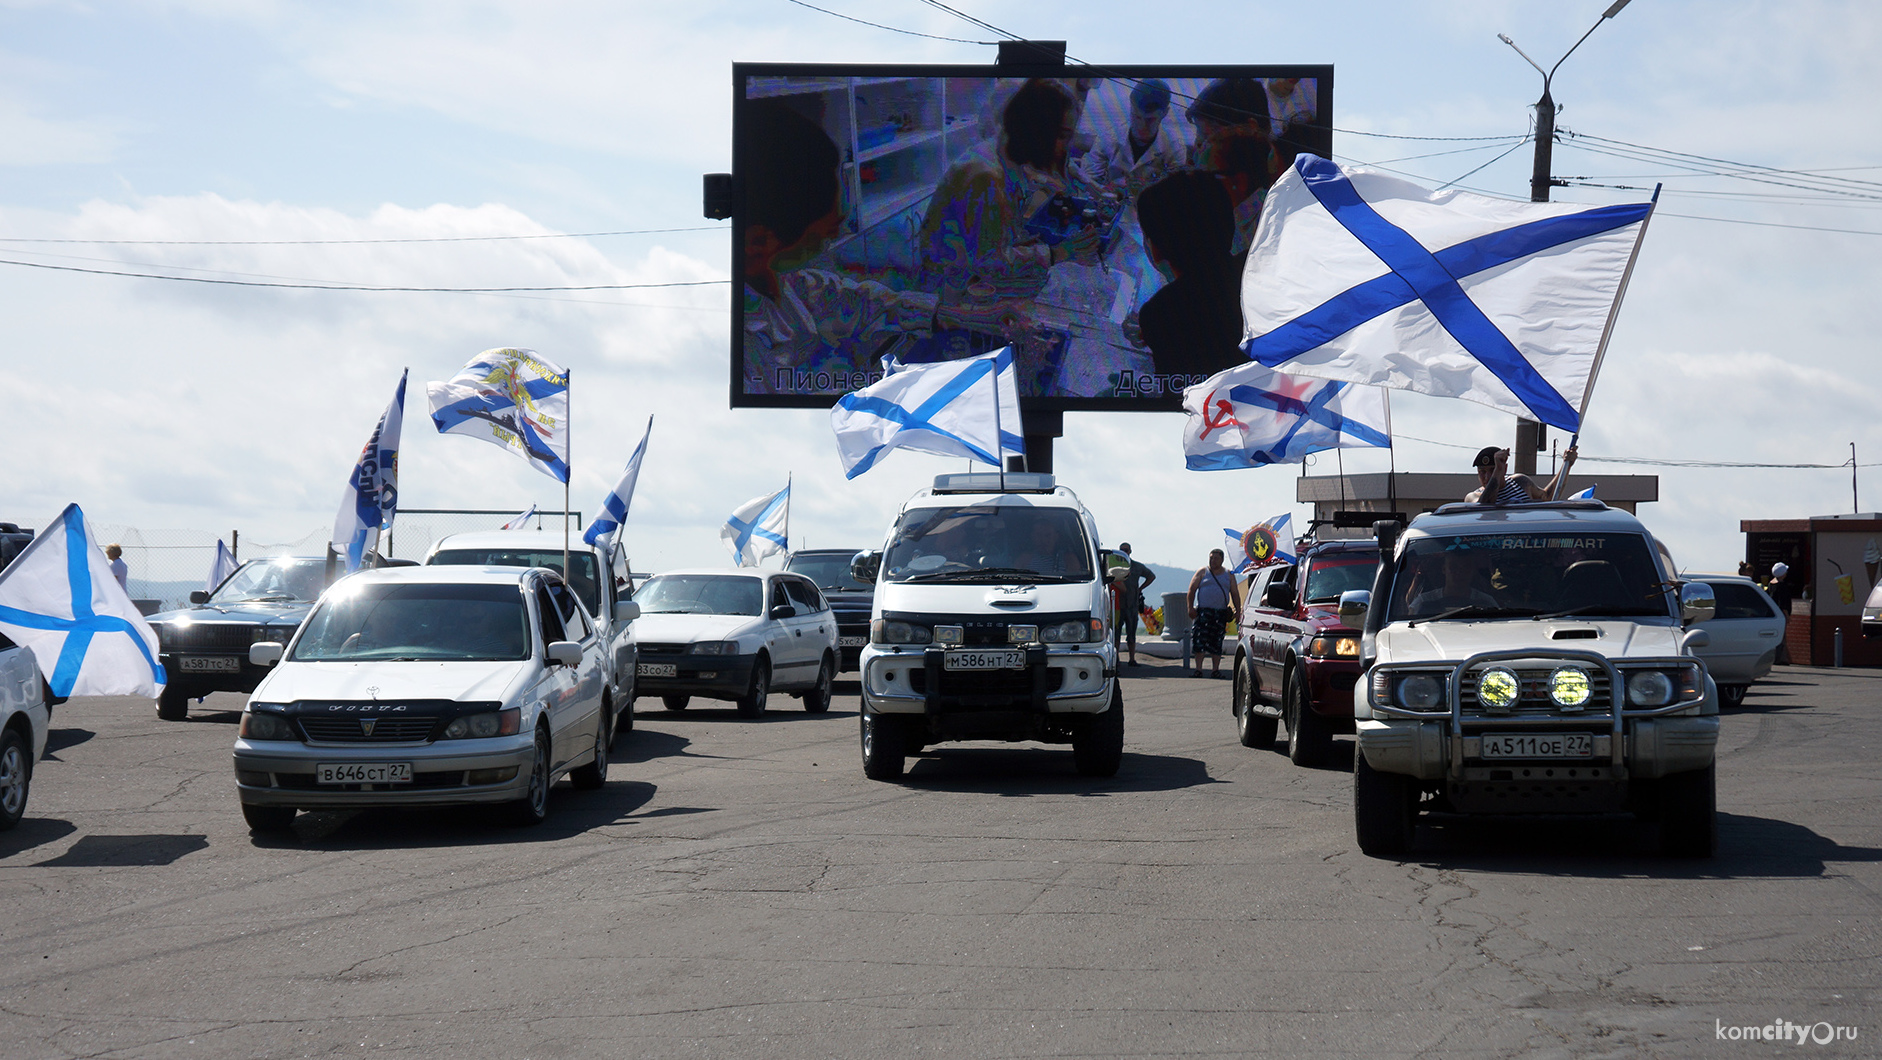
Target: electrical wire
347, 242
1653, 462
363, 287
891, 29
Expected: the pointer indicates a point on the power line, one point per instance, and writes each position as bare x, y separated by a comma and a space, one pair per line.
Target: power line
362, 287
1654, 462
891, 29
346, 242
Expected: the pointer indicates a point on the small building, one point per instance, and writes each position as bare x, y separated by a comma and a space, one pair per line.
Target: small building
1835, 562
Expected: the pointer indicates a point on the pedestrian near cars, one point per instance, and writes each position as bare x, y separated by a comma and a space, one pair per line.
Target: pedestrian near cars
1131, 581
1213, 596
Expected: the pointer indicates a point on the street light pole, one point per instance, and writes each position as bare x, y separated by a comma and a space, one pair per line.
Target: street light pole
1528, 431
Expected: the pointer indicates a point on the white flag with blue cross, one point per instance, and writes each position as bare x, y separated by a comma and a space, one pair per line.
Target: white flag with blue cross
59, 600
615, 506
967, 407
1368, 278
1252, 416
759, 528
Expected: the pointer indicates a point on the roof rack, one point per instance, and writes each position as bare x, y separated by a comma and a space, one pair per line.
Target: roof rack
1465, 507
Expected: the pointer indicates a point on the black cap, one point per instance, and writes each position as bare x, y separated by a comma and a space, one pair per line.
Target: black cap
1486, 457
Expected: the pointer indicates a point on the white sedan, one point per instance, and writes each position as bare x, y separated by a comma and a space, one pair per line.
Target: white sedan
421, 686
735, 634
1745, 632
24, 717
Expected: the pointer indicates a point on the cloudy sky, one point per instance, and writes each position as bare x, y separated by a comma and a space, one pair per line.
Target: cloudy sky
315, 142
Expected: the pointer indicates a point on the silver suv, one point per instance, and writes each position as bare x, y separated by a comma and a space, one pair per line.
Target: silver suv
1531, 659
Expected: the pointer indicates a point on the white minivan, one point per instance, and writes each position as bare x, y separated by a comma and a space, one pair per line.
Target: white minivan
991, 622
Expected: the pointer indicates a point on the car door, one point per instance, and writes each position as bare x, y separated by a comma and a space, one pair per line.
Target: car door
1745, 628
558, 687
591, 676
1268, 640
814, 627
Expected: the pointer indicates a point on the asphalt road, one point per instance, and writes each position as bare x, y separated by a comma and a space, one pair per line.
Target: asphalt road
738, 889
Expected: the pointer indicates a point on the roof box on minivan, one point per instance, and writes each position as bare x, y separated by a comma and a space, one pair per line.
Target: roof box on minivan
995, 482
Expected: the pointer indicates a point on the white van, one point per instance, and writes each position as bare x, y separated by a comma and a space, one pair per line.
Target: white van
991, 621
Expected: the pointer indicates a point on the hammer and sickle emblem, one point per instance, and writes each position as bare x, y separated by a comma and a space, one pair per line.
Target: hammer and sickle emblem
1224, 415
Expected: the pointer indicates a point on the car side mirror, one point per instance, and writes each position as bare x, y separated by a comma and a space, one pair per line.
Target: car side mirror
865, 566
783, 611
1354, 603
1696, 603
1695, 638
199, 596
626, 611
1279, 596
265, 653
565, 653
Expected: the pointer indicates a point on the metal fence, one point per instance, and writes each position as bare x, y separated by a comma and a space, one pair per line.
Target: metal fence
417, 529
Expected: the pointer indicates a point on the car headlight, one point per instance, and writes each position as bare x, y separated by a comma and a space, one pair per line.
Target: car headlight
261, 634
265, 725
483, 726
1498, 688
1077, 631
1649, 688
713, 647
895, 631
1570, 688
1420, 692
1022, 633
1334, 646
950, 635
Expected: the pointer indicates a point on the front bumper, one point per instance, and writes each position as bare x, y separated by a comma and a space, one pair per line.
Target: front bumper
1067, 680
709, 676
282, 773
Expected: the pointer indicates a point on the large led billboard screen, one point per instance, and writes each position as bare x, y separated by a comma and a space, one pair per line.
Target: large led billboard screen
1095, 220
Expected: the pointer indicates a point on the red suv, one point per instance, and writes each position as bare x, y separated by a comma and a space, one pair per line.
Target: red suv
1295, 662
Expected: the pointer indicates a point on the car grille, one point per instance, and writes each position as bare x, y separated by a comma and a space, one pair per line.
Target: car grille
662, 649
353, 729
985, 682
211, 636
1534, 697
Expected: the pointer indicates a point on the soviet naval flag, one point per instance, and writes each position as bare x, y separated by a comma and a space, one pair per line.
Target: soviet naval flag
510, 397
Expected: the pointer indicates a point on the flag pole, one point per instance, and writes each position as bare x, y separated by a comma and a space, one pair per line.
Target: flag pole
568, 472
1607, 329
1391, 458
999, 443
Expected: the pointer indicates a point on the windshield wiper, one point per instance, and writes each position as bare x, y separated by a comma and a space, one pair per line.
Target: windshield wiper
1476, 611
1600, 609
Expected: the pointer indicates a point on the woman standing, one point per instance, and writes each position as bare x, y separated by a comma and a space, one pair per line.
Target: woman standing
1213, 599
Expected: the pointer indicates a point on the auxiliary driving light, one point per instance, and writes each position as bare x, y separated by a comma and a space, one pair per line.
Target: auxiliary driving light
1498, 689
1569, 688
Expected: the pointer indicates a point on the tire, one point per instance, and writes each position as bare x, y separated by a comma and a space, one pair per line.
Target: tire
675, 702
533, 808
16, 777
817, 699
885, 746
624, 721
266, 820
1385, 809
752, 703
1731, 695
1689, 820
595, 773
1309, 736
172, 704
1098, 745
1255, 730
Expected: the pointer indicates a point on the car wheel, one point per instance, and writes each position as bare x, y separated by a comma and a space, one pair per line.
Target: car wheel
1385, 809
1689, 820
675, 702
817, 700
266, 819
1731, 695
1098, 744
885, 746
1309, 736
1255, 730
533, 807
16, 777
624, 721
172, 704
595, 773
752, 703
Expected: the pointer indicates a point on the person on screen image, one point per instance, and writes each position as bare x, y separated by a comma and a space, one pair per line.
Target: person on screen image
1145, 153
802, 321
974, 242
1290, 100
1227, 106
1193, 325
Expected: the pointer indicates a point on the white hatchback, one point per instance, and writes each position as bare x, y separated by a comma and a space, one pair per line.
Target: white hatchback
422, 686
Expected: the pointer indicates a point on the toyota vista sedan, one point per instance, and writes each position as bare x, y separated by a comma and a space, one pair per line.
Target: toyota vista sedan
735, 634
423, 686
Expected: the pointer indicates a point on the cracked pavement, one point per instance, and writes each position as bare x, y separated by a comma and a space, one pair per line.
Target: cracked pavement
739, 889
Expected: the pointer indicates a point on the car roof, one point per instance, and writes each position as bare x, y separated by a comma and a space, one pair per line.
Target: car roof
550, 540
736, 572
1539, 517
1738, 578
449, 575
825, 552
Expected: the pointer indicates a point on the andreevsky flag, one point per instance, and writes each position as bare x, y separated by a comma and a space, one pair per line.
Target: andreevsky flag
967, 407
1251, 416
1368, 278
58, 599
514, 398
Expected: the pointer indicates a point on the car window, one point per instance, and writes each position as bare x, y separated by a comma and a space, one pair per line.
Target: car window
273, 581
1528, 574
701, 594
423, 622
583, 579
1328, 577
803, 594
989, 542
828, 570
1740, 601
546, 614
573, 620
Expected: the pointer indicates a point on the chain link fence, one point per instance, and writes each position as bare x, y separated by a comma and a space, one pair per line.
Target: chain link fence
417, 529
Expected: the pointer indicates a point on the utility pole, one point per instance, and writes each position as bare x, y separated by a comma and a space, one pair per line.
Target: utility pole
1528, 432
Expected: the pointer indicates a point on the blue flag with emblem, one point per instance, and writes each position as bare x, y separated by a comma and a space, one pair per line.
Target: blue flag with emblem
371, 498
967, 407
1372, 279
59, 600
1252, 416
510, 397
760, 527
614, 507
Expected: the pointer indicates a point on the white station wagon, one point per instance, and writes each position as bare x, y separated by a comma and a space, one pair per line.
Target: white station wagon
737, 634
421, 686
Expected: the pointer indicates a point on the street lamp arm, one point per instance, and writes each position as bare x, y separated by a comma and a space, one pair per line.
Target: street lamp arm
1504, 37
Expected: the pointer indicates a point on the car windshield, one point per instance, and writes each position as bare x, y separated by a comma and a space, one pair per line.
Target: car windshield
417, 623
701, 594
829, 571
1527, 575
988, 543
1331, 576
582, 581
272, 580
